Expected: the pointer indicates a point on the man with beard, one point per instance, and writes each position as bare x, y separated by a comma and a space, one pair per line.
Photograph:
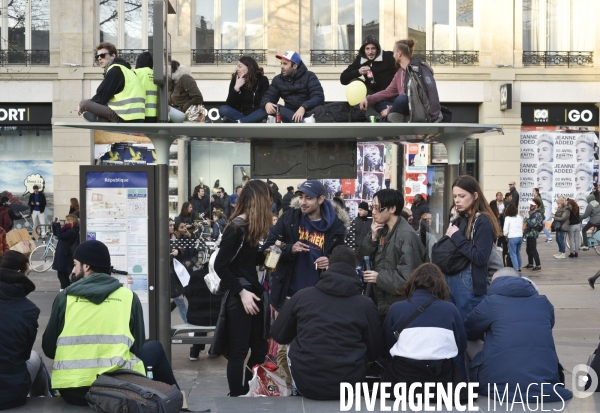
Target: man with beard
97, 326
299, 88
381, 65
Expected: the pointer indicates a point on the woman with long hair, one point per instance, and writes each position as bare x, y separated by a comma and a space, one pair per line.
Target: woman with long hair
22, 370
246, 90
417, 357
574, 229
74, 207
63, 258
236, 266
187, 215
183, 89
476, 241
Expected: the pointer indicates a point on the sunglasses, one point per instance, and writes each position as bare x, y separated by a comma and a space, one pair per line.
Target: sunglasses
377, 208
101, 55
219, 193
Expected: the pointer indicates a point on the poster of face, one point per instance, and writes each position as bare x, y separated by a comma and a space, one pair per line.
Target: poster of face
417, 157
352, 206
373, 158
358, 185
558, 163
333, 186
372, 182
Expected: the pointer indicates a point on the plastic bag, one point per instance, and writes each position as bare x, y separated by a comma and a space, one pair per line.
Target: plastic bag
195, 113
265, 383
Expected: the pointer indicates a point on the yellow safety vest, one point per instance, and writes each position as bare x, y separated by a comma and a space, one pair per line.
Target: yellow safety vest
95, 339
130, 103
146, 77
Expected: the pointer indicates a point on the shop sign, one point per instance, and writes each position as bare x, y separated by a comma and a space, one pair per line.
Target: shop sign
25, 114
560, 114
505, 96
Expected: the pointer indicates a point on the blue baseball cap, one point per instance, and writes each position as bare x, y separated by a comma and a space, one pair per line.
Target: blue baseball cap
291, 56
312, 188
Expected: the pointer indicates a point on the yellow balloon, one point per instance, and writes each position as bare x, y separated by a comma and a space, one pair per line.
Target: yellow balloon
355, 92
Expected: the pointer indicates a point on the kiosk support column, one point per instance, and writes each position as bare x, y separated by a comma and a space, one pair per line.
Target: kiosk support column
453, 147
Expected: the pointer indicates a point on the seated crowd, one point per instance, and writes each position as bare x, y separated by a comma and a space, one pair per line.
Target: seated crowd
130, 95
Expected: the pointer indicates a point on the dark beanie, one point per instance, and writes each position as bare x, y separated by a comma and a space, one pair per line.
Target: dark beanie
343, 254
93, 253
144, 60
364, 205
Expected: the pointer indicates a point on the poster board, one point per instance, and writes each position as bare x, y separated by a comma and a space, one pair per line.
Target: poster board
117, 208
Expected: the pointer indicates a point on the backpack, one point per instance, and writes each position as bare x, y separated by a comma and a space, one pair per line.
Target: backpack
418, 101
127, 391
446, 255
338, 112
75, 243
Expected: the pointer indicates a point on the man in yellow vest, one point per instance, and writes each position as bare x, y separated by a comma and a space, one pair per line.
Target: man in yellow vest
145, 73
120, 97
97, 326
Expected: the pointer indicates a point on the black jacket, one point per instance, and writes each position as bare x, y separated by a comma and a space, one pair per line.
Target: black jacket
418, 210
383, 68
203, 307
515, 197
288, 227
247, 100
201, 206
18, 331
224, 204
113, 83
301, 89
277, 198
41, 200
362, 227
334, 331
286, 201
63, 258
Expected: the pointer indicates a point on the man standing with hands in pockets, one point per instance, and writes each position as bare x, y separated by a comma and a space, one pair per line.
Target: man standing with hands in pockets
394, 247
310, 230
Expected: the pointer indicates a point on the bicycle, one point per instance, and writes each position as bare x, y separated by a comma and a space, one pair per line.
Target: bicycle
594, 240
42, 256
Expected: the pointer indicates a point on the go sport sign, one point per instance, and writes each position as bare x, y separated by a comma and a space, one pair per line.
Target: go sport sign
14, 114
540, 114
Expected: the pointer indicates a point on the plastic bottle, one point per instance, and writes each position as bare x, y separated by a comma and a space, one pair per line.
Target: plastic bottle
149, 373
274, 255
278, 116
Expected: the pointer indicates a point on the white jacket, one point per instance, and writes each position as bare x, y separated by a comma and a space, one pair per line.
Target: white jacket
513, 227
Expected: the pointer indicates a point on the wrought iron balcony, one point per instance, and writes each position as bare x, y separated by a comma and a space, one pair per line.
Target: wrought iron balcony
332, 57
449, 57
25, 57
569, 59
226, 56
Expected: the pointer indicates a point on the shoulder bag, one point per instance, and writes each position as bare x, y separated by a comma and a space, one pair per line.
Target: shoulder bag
212, 279
445, 255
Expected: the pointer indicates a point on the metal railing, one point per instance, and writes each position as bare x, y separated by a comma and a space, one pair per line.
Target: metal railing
449, 57
568, 59
25, 57
332, 57
226, 56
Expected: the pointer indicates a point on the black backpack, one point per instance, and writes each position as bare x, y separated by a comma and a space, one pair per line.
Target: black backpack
75, 243
338, 112
445, 255
127, 391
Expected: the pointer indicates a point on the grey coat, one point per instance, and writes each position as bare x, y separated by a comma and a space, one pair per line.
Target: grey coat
394, 260
593, 211
562, 215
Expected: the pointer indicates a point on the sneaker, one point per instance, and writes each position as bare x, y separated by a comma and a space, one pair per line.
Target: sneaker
538, 268
591, 282
557, 255
571, 255
549, 240
576, 255
194, 353
90, 117
395, 117
529, 266
560, 256
585, 248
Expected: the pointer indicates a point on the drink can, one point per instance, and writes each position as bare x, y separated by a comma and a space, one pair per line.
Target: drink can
359, 272
372, 119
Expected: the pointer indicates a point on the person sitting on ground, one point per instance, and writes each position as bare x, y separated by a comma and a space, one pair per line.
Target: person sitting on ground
331, 315
299, 88
246, 90
93, 307
399, 111
381, 64
183, 89
120, 97
518, 349
424, 349
187, 215
22, 370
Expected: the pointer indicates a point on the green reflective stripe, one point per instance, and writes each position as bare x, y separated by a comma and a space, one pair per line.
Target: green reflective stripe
152, 92
127, 101
129, 111
151, 105
95, 363
94, 339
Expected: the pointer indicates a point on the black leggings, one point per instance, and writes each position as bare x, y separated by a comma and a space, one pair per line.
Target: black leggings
532, 252
63, 277
244, 332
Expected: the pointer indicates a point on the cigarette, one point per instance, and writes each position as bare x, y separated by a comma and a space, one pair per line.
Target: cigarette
316, 266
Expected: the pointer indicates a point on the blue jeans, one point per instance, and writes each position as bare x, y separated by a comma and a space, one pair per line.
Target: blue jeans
546, 232
181, 307
400, 105
287, 113
514, 249
255, 117
560, 239
153, 355
381, 106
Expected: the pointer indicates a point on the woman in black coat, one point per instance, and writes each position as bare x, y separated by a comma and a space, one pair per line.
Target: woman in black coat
63, 257
246, 90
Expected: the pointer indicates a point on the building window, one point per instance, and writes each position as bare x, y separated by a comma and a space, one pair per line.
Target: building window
557, 32
24, 32
237, 29
126, 23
